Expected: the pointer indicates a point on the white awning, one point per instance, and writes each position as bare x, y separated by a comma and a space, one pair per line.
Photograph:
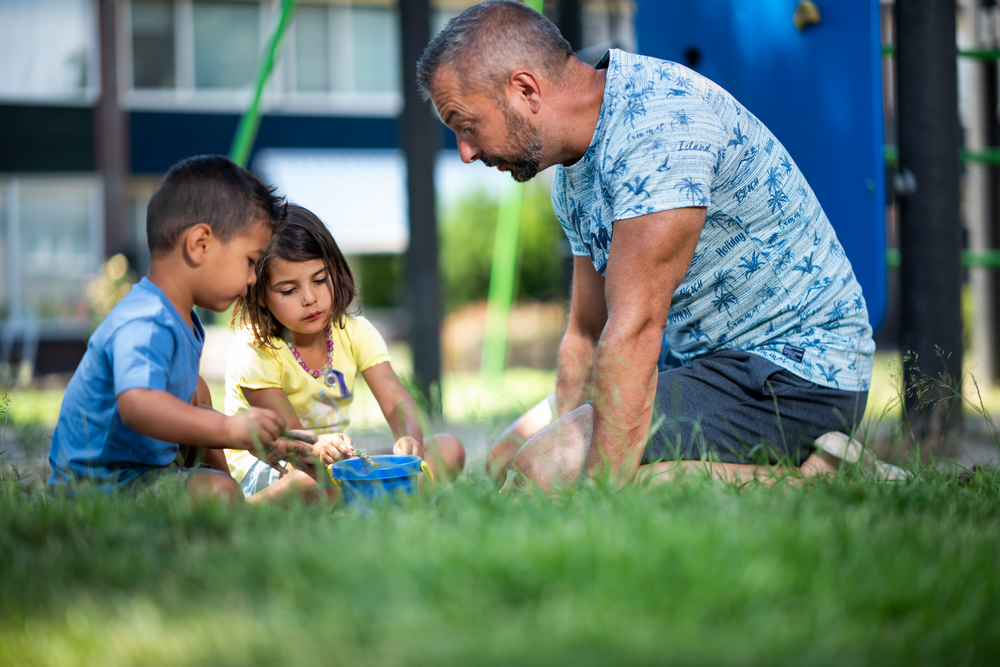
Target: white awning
361, 194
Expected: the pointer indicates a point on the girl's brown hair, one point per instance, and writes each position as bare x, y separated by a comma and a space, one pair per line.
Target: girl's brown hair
302, 238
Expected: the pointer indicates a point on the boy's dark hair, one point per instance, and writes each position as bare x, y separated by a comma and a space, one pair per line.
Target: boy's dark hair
302, 238
211, 189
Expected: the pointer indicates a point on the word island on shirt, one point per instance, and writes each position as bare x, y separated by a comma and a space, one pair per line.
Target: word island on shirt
768, 274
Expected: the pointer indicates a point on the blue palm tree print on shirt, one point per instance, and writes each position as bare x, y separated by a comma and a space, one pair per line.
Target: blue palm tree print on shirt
693, 191
769, 262
751, 264
738, 137
807, 266
638, 187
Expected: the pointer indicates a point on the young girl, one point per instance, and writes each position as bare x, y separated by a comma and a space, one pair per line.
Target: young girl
298, 353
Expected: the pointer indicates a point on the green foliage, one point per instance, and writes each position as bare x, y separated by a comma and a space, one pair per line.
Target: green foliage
839, 573
467, 232
112, 282
380, 279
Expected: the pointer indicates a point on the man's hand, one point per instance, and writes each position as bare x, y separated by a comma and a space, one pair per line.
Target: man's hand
408, 445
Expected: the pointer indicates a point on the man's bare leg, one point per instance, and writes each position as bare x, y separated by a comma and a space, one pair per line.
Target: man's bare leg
502, 453
818, 463
555, 457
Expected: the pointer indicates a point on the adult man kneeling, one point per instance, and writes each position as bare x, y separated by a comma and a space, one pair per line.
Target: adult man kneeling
688, 221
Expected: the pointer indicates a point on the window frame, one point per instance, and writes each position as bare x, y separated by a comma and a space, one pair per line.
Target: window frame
11, 184
82, 97
280, 95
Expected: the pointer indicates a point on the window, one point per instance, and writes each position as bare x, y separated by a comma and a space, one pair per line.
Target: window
358, 45
337, 54
226, 43
53, 228
312, 48
376, 49
153, 44
48, 49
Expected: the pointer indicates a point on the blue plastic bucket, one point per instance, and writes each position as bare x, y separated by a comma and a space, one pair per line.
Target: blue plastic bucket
398, 474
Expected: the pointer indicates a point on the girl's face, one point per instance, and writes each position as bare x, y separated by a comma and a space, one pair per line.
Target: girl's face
299, 294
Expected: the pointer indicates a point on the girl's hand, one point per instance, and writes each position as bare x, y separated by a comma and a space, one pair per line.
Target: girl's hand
333, 447
408, 445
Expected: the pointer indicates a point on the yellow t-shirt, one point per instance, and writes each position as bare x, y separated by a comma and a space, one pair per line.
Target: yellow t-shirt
321, 409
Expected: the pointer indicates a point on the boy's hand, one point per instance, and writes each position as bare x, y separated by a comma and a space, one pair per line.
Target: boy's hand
257, 430
408, 445
253, 428
333, 447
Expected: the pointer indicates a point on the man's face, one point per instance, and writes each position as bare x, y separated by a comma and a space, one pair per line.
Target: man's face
491, 131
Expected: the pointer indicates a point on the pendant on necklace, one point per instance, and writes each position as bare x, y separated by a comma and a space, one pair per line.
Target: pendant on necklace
331, 378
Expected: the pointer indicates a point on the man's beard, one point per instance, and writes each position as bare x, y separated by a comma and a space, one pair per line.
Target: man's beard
526, 142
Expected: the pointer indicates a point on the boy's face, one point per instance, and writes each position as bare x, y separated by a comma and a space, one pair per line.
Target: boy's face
229, 269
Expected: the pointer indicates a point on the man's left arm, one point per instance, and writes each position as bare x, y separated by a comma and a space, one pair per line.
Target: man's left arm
647, 261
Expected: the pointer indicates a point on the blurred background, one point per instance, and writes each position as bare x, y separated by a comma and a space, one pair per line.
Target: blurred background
99, 97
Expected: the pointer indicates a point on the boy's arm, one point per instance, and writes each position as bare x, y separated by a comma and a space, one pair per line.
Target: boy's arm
158, 414
397, 405
216, 458
275, 400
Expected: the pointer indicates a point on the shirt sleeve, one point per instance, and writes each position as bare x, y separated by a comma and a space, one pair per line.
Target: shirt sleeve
251, 366
142, 351
367, 344
567, 213
663, 156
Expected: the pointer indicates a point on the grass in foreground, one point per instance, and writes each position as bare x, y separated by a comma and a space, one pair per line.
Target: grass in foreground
843, 572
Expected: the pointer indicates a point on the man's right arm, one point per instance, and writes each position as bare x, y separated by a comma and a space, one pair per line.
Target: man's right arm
588, 313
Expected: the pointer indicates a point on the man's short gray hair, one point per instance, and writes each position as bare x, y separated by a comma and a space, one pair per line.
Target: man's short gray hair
490, 40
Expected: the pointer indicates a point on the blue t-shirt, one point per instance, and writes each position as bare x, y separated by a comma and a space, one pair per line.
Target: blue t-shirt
144, 343
768, 274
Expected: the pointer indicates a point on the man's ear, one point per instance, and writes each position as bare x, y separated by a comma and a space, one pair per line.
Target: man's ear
198, 239
527, 86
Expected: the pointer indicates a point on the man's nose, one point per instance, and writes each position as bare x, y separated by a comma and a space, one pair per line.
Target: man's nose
468, 151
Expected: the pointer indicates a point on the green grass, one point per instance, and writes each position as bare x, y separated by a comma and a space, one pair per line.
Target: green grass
844, 572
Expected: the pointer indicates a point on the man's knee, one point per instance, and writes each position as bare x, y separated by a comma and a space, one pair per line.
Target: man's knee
501, 455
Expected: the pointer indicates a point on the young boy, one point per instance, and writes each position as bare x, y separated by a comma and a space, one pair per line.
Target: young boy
134, 396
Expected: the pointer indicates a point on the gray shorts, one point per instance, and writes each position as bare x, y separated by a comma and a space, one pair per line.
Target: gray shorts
736, 407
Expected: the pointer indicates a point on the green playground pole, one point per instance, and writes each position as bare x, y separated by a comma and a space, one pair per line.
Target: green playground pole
503, 272
502, 279
246, 132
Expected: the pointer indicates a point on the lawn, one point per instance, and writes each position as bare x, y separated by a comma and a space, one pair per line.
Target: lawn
844, 572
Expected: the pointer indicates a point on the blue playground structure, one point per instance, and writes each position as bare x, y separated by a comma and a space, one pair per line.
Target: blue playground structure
818, 88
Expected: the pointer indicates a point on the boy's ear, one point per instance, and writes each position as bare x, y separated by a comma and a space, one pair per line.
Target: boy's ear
197, 240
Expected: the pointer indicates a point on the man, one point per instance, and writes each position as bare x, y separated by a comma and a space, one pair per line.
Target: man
689, 222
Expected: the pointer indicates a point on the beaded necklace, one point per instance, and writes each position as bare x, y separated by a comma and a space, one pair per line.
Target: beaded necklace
329, 375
